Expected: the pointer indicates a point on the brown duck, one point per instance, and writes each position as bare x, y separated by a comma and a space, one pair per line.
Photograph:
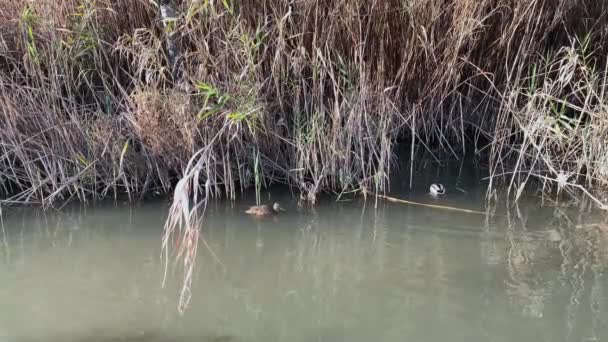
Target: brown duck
265, 210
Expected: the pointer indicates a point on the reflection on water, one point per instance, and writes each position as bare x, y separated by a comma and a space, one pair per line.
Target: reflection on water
342, 271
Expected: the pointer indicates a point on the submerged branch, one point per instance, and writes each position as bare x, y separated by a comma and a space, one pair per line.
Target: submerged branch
442, 207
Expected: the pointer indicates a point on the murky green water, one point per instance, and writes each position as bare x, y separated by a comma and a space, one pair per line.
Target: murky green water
341, 272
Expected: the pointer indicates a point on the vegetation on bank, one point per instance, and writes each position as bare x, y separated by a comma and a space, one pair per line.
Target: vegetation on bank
315, 94
100, 97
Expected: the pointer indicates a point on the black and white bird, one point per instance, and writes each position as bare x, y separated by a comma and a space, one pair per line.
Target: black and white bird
437, 189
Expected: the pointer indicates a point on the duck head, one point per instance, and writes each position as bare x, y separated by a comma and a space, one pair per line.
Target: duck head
277, 207
437, 189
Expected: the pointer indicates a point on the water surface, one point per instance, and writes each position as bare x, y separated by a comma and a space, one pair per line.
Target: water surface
343, 271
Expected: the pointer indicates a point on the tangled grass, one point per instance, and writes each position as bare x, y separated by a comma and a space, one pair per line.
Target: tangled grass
100, 98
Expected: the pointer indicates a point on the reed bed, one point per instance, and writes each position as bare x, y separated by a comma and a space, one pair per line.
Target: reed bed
207, 98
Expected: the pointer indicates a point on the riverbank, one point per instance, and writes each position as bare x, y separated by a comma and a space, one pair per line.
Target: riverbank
101, 99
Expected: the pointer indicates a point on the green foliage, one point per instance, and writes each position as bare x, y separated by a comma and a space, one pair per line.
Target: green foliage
533, 83
237, 109
213, 101
29, 21
228, 6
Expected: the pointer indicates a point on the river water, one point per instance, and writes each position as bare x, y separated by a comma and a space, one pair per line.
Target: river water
342, 271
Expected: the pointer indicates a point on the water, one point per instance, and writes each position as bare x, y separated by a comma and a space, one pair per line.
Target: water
340, 272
